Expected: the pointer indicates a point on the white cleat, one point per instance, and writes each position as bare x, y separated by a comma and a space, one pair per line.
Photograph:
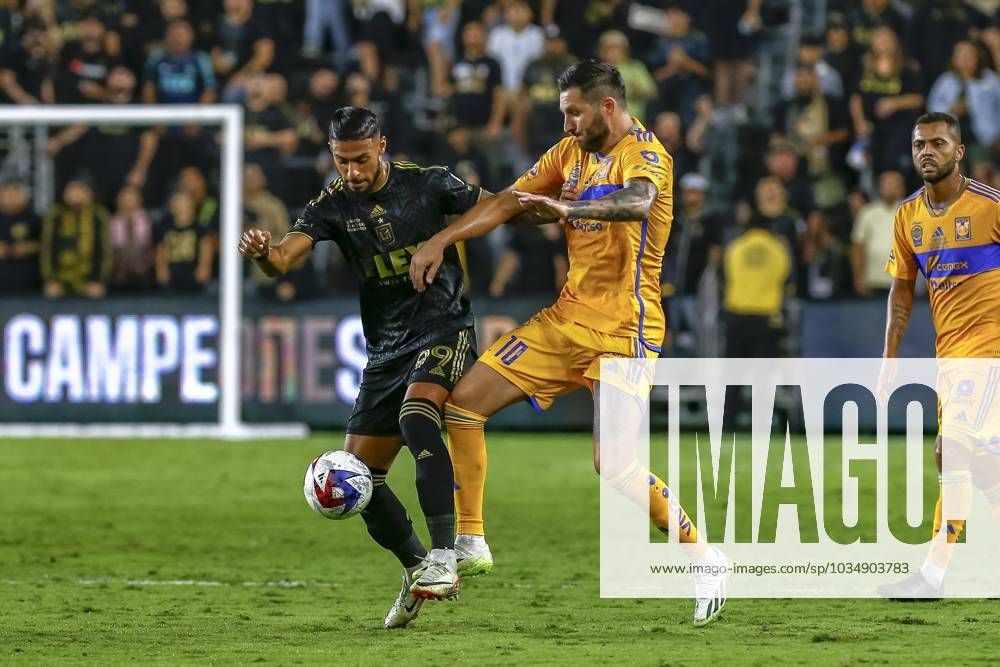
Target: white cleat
406, 607
473, 555
439, 578
710, 588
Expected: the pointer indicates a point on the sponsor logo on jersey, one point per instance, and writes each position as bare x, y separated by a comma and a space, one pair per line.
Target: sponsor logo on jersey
398, 263
943, 285
356, 225
963, 229
938, 239
574, 175
587, 226
917, 234
385, 233
650, 156
652, 172
953, 266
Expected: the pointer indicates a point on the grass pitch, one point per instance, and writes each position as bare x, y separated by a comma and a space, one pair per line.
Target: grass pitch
204, 552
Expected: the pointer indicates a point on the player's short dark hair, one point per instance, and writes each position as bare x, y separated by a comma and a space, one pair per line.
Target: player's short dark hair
596, 80
354, 124
941, 117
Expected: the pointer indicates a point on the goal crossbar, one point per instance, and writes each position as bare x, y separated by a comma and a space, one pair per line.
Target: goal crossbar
230, 118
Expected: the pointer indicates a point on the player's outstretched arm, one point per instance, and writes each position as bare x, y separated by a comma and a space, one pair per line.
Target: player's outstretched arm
272, 260
479, 220
631, 203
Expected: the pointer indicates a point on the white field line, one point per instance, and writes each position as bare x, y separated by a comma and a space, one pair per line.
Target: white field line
282, 583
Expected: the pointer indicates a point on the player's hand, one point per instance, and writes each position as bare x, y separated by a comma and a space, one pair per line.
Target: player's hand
568, 193
886, 379
255, 243
425, 264
542, 206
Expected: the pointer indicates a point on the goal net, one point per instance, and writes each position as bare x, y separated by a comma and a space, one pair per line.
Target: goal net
74, 373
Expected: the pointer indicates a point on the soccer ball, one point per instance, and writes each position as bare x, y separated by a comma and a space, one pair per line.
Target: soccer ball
338, 484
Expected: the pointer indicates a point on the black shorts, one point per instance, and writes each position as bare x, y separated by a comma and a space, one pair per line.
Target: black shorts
442, 362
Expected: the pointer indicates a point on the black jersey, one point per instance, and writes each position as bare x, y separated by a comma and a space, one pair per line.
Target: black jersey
378, 232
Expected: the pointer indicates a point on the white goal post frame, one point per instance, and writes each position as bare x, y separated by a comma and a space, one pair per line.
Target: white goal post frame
230, 117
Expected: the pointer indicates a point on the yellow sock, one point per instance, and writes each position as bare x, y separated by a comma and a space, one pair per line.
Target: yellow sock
467, 441
642, 486
955, 526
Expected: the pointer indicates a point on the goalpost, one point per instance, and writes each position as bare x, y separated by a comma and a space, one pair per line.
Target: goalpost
230, 424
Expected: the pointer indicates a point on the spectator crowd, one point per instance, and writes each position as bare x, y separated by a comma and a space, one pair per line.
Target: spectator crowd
822, 159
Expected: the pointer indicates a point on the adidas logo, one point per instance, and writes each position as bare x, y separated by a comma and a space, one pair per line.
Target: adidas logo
379, 211
961, 417
424, 454
938, 233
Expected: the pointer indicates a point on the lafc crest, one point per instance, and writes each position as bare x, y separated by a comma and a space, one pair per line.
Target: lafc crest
385, 233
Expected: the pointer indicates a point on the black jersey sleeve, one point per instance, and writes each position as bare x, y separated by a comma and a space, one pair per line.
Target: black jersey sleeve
453, 195
316, 220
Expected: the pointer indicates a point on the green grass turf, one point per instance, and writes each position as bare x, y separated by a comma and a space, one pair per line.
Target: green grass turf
86, 526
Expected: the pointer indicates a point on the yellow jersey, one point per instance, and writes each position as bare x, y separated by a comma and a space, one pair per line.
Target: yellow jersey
613, 284
958, 251
756, 266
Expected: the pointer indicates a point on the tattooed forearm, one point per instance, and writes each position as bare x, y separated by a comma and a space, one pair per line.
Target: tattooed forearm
897, 315
630, 203
900, 315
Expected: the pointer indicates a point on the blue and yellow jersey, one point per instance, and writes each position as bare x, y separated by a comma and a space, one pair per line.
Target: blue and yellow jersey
958, 251
613, 284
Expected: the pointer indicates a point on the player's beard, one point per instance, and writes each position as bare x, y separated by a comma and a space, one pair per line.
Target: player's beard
596, 136
943, 172
369, 186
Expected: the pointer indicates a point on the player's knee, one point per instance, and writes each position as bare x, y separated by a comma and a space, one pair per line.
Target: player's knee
462, 396
419, 421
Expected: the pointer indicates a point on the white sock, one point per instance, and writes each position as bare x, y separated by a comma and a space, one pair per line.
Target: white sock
475, 540
933, 573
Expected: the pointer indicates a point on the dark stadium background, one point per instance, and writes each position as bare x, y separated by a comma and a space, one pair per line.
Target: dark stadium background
793, 112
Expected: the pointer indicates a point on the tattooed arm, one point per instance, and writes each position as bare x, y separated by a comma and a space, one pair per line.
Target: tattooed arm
897, 317
631, 203
897, 314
